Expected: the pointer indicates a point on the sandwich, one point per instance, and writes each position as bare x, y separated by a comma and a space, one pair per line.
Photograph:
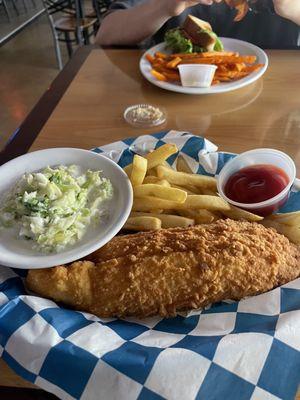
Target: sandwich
194, 36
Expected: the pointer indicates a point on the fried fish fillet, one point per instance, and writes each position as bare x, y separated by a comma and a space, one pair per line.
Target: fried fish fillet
170, 270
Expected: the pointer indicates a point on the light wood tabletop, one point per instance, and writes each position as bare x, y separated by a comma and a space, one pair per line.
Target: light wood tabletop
90, 113
264, 114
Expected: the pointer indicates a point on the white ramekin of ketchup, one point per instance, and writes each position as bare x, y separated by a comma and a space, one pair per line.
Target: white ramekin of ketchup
258, 180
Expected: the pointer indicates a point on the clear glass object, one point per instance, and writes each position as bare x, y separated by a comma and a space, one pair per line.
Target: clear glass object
145, 115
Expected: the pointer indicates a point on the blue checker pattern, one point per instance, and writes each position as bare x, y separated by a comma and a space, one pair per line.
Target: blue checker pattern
126, 330
204, 345
255, 323
13, 315
133, 360
18, 368
12, 288
192, 147
61, 367
130, 355
276, 376
147, 394
179, 325
213, 387
289, 300
64, 321
221, 307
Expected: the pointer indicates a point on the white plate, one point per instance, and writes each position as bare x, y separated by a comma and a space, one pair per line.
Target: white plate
18, 253
244, 48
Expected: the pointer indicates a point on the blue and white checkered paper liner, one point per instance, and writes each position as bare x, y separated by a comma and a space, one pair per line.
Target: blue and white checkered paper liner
239, 351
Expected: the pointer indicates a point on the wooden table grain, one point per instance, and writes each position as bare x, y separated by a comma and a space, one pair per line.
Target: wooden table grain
90, 113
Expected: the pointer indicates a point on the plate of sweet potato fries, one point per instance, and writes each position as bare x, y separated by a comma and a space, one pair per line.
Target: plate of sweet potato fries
239, 65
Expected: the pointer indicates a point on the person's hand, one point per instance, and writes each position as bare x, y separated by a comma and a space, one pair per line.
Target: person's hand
176, 7
289, 9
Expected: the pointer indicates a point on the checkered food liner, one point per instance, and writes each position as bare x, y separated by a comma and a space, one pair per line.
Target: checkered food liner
238, 351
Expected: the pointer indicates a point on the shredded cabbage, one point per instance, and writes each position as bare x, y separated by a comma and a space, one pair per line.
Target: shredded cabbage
53, 208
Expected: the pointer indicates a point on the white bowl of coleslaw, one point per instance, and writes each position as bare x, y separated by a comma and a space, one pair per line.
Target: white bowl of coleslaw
59, 205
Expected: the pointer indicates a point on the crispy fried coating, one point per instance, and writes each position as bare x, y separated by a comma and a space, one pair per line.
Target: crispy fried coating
171, 270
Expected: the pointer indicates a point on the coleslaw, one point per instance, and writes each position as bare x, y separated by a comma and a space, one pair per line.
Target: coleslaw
53, 208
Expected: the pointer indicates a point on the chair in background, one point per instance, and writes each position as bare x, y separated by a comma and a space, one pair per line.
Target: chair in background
4, 5
14, 6
69, 29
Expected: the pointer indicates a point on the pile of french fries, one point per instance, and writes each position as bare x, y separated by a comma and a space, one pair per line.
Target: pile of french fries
231, 65
288, 224
168, 198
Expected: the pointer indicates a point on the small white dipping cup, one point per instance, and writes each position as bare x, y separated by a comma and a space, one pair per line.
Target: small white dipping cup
257, 157
197, 75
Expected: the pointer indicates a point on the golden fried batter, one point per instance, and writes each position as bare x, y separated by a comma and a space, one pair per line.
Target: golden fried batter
170, 270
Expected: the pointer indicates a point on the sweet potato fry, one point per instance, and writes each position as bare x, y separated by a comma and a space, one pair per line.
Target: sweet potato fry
159, 54
171, 76
158, 75
150, 58
219, 53
238, 66
231, 65
173, 63
220, 60
252, 68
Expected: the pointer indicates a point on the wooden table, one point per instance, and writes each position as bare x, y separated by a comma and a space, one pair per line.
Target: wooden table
90, 112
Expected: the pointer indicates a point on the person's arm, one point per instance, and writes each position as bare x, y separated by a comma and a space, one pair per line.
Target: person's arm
133, 25
289, 9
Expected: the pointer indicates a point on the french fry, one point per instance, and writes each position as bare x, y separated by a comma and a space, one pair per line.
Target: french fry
220, 60
205, 202
168, 220
200, 216
252, 68
187, 190
138, 172
209, 192
149, 203
159, 54
171, 76
160, 191
183, 179
174, 62
157, 181
160, 154
291, 219
163, 182
182, 165
142, 223
156, 157
158, 75
231, 65
291, 232
239, 214
151, 172
150, 58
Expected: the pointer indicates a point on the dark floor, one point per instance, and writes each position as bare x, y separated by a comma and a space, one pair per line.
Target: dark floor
24, 12
27, 67
25, 394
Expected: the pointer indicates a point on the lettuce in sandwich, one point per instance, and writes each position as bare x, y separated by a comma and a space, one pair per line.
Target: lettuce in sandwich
193, 37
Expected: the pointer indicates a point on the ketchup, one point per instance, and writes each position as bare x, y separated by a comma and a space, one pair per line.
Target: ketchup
256, 183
